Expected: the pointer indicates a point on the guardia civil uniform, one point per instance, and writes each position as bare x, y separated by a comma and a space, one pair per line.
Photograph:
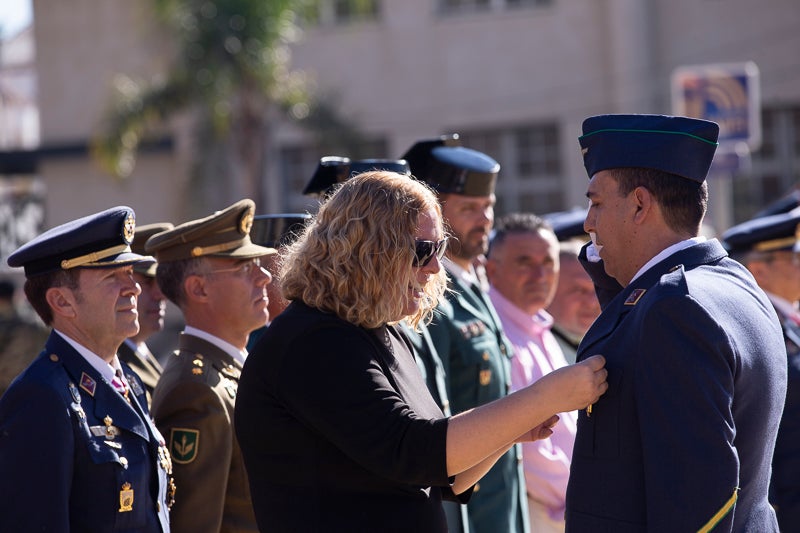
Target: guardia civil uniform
76, 454
468, 337
682, 440
763, 235
194, 400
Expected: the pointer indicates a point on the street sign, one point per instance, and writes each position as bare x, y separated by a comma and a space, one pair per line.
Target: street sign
726, 93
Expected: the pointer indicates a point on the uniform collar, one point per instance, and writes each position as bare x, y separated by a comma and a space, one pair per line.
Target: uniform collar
107, 371
228, 348
467, 276
677, 247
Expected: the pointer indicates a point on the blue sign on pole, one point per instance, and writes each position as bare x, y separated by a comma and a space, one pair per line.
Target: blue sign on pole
728, 94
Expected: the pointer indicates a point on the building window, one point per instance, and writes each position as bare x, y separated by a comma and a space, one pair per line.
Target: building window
341, 12
463, 6
529, 3
530, 167
775, 168
455, 7
299, 161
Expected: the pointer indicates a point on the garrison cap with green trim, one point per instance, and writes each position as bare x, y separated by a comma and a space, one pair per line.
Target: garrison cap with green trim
679, 145
452, 169
332, 170
144, 232
225, 233
772, 233
100, 240
277, 230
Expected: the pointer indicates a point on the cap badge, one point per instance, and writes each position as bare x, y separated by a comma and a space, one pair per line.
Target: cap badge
129, 228
246, 222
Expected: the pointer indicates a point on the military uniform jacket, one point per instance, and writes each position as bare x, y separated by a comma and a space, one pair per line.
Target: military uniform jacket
785, 483
148, 370
683, 437
432, 369
467, 335
193, 407
75, 455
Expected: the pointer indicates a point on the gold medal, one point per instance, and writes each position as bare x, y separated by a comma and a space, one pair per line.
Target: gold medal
126, 498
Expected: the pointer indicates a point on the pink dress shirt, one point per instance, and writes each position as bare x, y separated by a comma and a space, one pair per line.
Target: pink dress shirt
537, 353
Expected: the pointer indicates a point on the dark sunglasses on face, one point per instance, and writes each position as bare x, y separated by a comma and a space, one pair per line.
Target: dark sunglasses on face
425, 250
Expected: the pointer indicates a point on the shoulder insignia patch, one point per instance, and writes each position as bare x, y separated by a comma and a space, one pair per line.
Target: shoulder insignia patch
634, 297
183, 444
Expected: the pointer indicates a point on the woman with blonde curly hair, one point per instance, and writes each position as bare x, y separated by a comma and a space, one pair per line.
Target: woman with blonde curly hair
336, 425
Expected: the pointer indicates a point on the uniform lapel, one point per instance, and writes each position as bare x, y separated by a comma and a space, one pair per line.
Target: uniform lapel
99, 391
626, 300
471, 299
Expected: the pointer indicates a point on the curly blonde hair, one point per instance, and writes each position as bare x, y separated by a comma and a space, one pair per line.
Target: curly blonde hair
355, 257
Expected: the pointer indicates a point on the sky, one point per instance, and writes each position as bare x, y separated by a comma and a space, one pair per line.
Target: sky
14, 15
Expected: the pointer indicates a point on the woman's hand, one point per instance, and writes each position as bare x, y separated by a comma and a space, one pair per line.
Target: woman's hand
577, 386
542, 431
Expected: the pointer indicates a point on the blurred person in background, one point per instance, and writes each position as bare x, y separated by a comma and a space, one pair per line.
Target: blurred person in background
151, 305
21, 338
466, 330
575, 306
338, 428
212, 271
522, 266
274, 232
768, 247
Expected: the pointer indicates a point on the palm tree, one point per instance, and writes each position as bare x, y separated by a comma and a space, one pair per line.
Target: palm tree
231, 74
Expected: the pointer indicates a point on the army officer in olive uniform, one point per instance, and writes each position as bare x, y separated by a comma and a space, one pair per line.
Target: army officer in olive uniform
466, 331
211, 270
78, 451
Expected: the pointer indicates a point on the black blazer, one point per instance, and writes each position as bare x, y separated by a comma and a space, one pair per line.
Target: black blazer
338, 429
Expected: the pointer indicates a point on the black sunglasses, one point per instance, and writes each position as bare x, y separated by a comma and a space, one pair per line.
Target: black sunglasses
425, 250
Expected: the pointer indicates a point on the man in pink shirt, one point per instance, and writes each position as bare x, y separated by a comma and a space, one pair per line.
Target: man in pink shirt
522, 266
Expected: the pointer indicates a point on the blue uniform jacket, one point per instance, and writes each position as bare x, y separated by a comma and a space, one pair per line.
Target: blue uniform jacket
785, 485
468, 337
75, 455
684, 436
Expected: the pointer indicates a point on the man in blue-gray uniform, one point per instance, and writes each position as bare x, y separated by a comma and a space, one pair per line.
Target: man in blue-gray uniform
683, 439
78, 451
466, 331
767, 246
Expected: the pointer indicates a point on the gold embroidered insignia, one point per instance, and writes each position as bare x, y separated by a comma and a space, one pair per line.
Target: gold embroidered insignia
246, 222
129, 229
126, 498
